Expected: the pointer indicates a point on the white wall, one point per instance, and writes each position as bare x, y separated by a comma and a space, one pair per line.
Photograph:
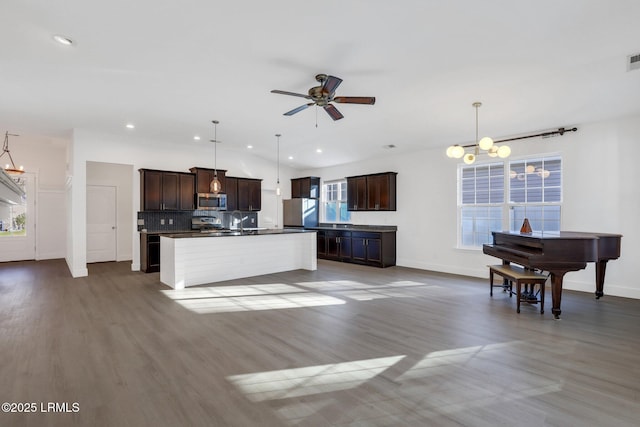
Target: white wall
600, 195
45, 158
89, 146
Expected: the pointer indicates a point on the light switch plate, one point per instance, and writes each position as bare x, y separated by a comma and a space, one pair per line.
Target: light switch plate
140, 221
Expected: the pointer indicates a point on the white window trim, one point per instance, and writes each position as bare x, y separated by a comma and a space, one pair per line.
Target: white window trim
323, 200
506, 205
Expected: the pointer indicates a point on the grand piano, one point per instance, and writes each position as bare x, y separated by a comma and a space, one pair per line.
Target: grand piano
558, 253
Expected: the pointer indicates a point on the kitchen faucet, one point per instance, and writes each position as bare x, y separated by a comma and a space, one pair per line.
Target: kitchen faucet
240, 217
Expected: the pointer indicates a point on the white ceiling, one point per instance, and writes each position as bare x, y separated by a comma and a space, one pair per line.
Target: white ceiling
171, 67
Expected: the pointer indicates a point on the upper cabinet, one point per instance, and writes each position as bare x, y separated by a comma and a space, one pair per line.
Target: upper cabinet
375, 192
249, 194
163, 190
308, 187
231, 188
204, 177
243, 194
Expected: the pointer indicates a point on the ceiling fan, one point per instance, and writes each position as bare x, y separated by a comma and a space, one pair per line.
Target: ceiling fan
324, 94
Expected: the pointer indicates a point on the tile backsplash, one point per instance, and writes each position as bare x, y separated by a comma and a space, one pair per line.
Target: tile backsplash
169, 221
164, 221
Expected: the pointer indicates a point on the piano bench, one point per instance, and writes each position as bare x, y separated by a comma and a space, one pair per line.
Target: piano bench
520, 276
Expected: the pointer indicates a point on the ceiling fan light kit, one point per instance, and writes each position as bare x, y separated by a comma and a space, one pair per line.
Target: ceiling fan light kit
324, 94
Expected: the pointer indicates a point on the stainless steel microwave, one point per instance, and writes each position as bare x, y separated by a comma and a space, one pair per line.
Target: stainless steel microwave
211, 201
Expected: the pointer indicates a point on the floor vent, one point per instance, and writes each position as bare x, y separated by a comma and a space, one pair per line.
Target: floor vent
633, 62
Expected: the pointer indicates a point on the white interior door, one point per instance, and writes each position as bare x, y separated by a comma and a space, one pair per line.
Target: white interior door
101, 223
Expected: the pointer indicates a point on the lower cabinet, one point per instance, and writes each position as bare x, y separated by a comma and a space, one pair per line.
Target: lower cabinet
149, 252
359, 247
338, 245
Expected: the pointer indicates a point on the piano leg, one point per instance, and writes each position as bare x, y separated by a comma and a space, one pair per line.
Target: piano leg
556, 292
601, 267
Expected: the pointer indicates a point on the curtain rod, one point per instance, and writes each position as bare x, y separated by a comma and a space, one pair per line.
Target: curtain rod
560, 131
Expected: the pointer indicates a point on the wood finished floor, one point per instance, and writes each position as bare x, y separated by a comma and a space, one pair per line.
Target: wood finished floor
342, 346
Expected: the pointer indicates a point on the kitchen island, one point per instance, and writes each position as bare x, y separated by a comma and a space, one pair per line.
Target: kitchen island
199, 258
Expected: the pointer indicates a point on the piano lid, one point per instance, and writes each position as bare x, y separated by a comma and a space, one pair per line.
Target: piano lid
581, 235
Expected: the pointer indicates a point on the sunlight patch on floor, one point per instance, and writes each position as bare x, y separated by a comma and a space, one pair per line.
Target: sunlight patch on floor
365, 292
310, 380
269, 296
257, 302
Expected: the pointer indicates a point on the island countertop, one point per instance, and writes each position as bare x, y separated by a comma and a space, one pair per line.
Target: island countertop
236, 233
189, 259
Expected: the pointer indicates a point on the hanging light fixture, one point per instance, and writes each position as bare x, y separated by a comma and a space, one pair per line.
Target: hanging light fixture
10, 168
215, 185
485, 143
278, 164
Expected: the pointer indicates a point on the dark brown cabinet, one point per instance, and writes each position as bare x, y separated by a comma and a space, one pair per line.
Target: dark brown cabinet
204, 177
231, 188
307, 187
186, 192
376, 192
322, 244
163, 190
357, 193
150, 252
338, 245
249, 194
358, 247
372, 248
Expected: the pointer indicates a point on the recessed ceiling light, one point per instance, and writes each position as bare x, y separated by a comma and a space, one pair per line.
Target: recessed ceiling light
63, 40
290, 157
196, 138
318, 150
130, 126
249, 147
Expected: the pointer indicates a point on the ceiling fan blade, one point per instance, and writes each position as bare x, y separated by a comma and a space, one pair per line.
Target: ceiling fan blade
355, 99
333, 112
330, 85
284, 92
297, 110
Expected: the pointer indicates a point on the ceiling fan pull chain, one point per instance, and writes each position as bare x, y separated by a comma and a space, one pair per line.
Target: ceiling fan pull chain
316, 116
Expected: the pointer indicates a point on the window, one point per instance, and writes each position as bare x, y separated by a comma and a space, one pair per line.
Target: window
535, 192
13, 217
334, 201
481, 203
489, 200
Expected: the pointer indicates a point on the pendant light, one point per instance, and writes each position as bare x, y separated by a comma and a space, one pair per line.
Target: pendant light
278, 164
215, 185
485, 144
10, 168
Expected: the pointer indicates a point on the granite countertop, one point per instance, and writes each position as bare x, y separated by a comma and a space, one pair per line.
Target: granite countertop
363, 228
235, 233
168, 232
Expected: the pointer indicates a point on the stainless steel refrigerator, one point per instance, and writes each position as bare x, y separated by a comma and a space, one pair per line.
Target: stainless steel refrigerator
300, 212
